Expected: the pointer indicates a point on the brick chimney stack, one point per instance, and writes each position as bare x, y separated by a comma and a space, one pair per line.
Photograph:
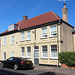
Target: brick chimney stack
25, 18
65, 13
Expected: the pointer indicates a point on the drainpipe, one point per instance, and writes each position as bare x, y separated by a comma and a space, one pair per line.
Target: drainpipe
58, 39
34, 32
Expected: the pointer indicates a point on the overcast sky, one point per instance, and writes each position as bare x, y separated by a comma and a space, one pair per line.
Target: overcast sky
12, 11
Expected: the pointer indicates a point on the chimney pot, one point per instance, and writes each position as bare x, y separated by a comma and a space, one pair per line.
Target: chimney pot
25, 18
64, 5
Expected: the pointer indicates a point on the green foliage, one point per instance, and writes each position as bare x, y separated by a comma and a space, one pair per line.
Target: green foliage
67, 58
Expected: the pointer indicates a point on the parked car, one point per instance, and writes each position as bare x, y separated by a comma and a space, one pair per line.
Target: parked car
17, 62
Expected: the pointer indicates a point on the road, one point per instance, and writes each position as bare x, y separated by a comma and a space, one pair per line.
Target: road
38, 70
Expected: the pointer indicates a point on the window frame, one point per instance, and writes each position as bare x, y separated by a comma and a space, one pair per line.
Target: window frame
22, 53
13, 54
12, 40
4, 55
42, 52
22, 36
4, 41
27, 35
42, 36
27, 53
51, 29
51, 53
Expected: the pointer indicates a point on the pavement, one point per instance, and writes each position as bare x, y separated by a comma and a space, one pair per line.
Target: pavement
57, 70
38, 70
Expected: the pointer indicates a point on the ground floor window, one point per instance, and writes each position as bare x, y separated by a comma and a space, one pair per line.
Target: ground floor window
53, 51
28, 52
4, 55
12, 54
22, 52
44, 51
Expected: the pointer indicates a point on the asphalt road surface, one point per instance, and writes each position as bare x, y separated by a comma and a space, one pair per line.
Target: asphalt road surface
37, 71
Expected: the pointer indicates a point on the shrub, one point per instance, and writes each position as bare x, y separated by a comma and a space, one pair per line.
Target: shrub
67, 58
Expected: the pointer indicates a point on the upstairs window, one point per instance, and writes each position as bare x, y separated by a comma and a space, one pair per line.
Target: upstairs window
22, 36
44, 33
12, 39
28, 35
53, 31
4, 41
28, 52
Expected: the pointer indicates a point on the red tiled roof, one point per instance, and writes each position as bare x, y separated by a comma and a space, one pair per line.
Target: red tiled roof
41, 19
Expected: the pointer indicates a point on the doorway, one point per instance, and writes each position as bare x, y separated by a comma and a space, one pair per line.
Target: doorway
36, 55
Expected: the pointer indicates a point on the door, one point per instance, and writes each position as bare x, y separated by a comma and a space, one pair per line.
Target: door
36, 55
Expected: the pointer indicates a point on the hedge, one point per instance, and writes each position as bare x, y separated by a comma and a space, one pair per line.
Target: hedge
67, 58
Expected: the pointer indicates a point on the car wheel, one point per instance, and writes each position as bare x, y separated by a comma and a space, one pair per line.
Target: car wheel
15, 67
2, 65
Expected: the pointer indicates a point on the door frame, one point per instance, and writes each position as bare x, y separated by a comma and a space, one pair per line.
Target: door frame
33, 53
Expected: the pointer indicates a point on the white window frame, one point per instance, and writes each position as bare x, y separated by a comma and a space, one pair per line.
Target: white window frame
42, 52
12, 55
12, 39
28, 53
51, 54
22, 36
28, 36
43, 34
22, 54
4, 41
4, 55
55, 34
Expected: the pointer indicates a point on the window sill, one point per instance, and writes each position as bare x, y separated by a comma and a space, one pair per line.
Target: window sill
28, 58
45, 58
53, 37
22, 41
23, 56
4, 45
12, 44
43, 38
28, 40
53, 58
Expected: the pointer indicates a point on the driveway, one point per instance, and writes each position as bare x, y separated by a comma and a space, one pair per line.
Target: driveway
38, 70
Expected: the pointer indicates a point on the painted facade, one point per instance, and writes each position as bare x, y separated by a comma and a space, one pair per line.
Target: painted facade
41, 42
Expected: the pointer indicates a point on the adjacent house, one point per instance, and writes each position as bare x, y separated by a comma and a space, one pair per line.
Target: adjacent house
39, 39
0, 44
